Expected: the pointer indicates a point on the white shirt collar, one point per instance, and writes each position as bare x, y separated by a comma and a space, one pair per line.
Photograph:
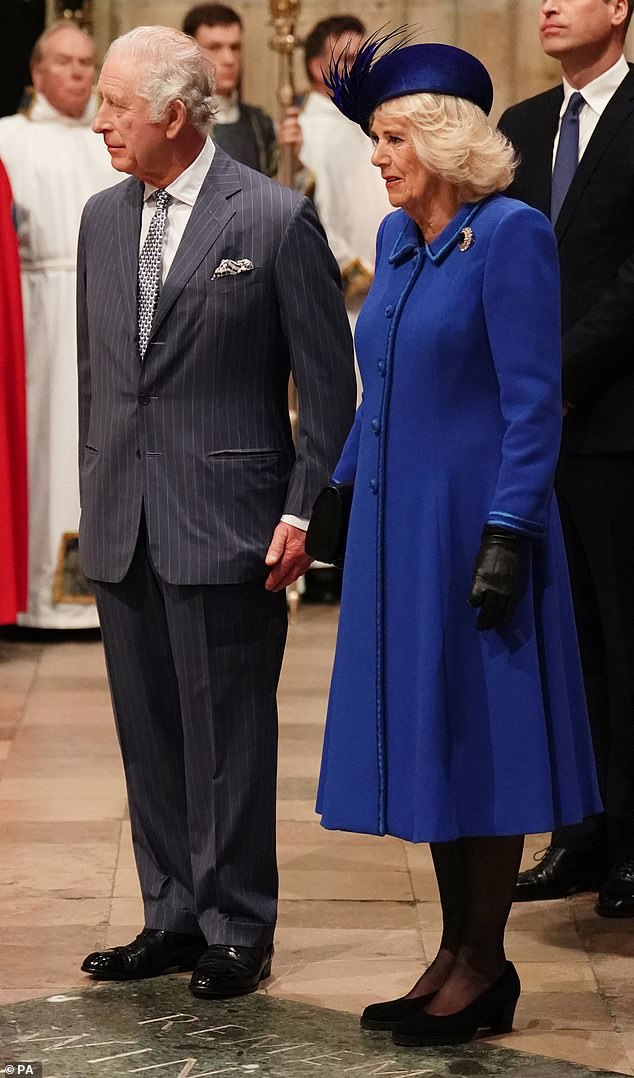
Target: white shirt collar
597, 93
186, 187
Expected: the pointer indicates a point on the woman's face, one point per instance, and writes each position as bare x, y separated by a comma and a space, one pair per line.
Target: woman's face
409, 184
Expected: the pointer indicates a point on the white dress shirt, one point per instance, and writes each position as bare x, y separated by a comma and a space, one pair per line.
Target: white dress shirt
183, 193
596, 95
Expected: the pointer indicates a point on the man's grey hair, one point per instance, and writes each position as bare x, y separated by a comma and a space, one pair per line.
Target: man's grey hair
172, 67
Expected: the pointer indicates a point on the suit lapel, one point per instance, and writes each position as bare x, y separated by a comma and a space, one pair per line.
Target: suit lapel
210, 215
128, 228
619, 108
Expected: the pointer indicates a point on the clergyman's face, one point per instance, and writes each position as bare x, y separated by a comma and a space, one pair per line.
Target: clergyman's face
136, 144
223, 44
576, 27
65, 73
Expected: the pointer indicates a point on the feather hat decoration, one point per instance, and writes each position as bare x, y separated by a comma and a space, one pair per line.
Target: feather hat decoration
388, 66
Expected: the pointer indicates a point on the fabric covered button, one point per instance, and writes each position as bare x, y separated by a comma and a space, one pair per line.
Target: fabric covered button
143, 399
376, 425
381, 366
389, 310
138, 454
374, 486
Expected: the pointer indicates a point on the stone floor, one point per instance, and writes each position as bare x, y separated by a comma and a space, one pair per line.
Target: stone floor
358, 915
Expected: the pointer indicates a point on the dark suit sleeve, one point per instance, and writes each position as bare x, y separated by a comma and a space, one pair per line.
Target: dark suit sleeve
83, 359
315, 326
595, 348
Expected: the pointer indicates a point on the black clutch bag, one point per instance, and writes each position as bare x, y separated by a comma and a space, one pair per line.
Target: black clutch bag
328, 529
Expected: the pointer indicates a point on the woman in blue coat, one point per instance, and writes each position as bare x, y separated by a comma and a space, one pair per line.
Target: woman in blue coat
436, 731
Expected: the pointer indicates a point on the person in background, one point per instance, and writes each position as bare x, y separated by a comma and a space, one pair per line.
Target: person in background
576, 148
54, 164
244, 131
351, 202
465, 728
13, 476
202, 284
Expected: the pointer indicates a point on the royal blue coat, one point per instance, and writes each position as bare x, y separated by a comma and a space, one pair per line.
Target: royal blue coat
436, 730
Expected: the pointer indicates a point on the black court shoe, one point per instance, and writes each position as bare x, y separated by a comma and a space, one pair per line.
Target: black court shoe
493, 1010
387, 1015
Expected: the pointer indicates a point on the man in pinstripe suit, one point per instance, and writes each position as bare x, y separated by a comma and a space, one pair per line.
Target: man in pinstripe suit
201, 285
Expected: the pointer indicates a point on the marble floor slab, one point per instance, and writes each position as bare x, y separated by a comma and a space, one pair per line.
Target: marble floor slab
152, 1028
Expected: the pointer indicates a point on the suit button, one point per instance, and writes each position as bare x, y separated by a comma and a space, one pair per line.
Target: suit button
138, 454
374, 486
376, 426
389, 310
143, 399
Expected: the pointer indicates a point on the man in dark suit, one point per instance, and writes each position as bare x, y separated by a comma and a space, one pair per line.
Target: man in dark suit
202, 284
576, 146
244, 131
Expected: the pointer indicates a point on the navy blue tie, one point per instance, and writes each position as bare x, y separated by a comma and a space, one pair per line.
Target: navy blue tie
567, 157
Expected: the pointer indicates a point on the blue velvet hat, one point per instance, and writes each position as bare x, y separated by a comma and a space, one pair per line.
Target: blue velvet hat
359, 88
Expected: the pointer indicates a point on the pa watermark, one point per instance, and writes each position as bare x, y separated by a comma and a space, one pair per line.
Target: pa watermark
16, 1068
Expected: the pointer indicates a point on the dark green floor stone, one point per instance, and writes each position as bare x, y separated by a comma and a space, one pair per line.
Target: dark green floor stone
156, 1029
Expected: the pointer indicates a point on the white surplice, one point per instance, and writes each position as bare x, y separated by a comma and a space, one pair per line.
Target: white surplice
350, 196
55, 163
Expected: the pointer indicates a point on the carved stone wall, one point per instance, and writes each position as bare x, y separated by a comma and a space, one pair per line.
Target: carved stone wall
503, 33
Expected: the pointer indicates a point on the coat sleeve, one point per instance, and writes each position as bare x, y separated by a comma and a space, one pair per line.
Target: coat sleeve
595, 348
521, 304
83, 356
316, 329
346, 469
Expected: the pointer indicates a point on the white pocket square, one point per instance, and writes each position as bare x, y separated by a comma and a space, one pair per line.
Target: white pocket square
229, 267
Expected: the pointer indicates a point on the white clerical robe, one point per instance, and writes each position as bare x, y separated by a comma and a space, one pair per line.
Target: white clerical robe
55, 164
350, 196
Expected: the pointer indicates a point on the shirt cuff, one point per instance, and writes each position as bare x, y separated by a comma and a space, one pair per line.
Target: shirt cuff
295, 522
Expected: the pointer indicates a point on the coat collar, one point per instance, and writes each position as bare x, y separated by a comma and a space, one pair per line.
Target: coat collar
409, 239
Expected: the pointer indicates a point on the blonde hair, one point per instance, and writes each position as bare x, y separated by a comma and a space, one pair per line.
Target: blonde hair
454, 140
172, 67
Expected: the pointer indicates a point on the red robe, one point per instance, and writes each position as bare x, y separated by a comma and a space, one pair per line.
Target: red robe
13, 475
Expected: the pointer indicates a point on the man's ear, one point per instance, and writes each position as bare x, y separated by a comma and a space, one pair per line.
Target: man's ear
176, 118
621, 8
35, 76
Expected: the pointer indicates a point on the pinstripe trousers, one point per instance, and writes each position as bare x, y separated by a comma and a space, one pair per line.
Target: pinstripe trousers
193, 672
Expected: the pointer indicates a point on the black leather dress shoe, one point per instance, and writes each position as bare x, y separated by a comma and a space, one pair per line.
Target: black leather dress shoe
559, 873
616, 896
152, 952
387, 1015
224, 971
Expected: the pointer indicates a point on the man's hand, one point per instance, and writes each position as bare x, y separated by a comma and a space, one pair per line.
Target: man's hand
289, 132
286, 556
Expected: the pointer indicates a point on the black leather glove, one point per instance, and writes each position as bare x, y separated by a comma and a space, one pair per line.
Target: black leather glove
498, 575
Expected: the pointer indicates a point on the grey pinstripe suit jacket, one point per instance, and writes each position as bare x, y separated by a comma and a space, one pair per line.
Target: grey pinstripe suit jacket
199, 432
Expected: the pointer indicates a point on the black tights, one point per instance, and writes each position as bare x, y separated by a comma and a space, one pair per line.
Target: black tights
476, 879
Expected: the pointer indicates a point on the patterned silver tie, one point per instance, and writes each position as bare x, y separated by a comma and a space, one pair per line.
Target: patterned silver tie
150, 262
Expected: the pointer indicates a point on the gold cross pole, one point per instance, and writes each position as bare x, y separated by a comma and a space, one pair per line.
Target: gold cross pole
284, 16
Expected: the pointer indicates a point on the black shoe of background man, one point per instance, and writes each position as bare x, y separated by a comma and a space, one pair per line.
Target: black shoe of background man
152, 952
225, 971
616, 895
322, 585
558, 874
